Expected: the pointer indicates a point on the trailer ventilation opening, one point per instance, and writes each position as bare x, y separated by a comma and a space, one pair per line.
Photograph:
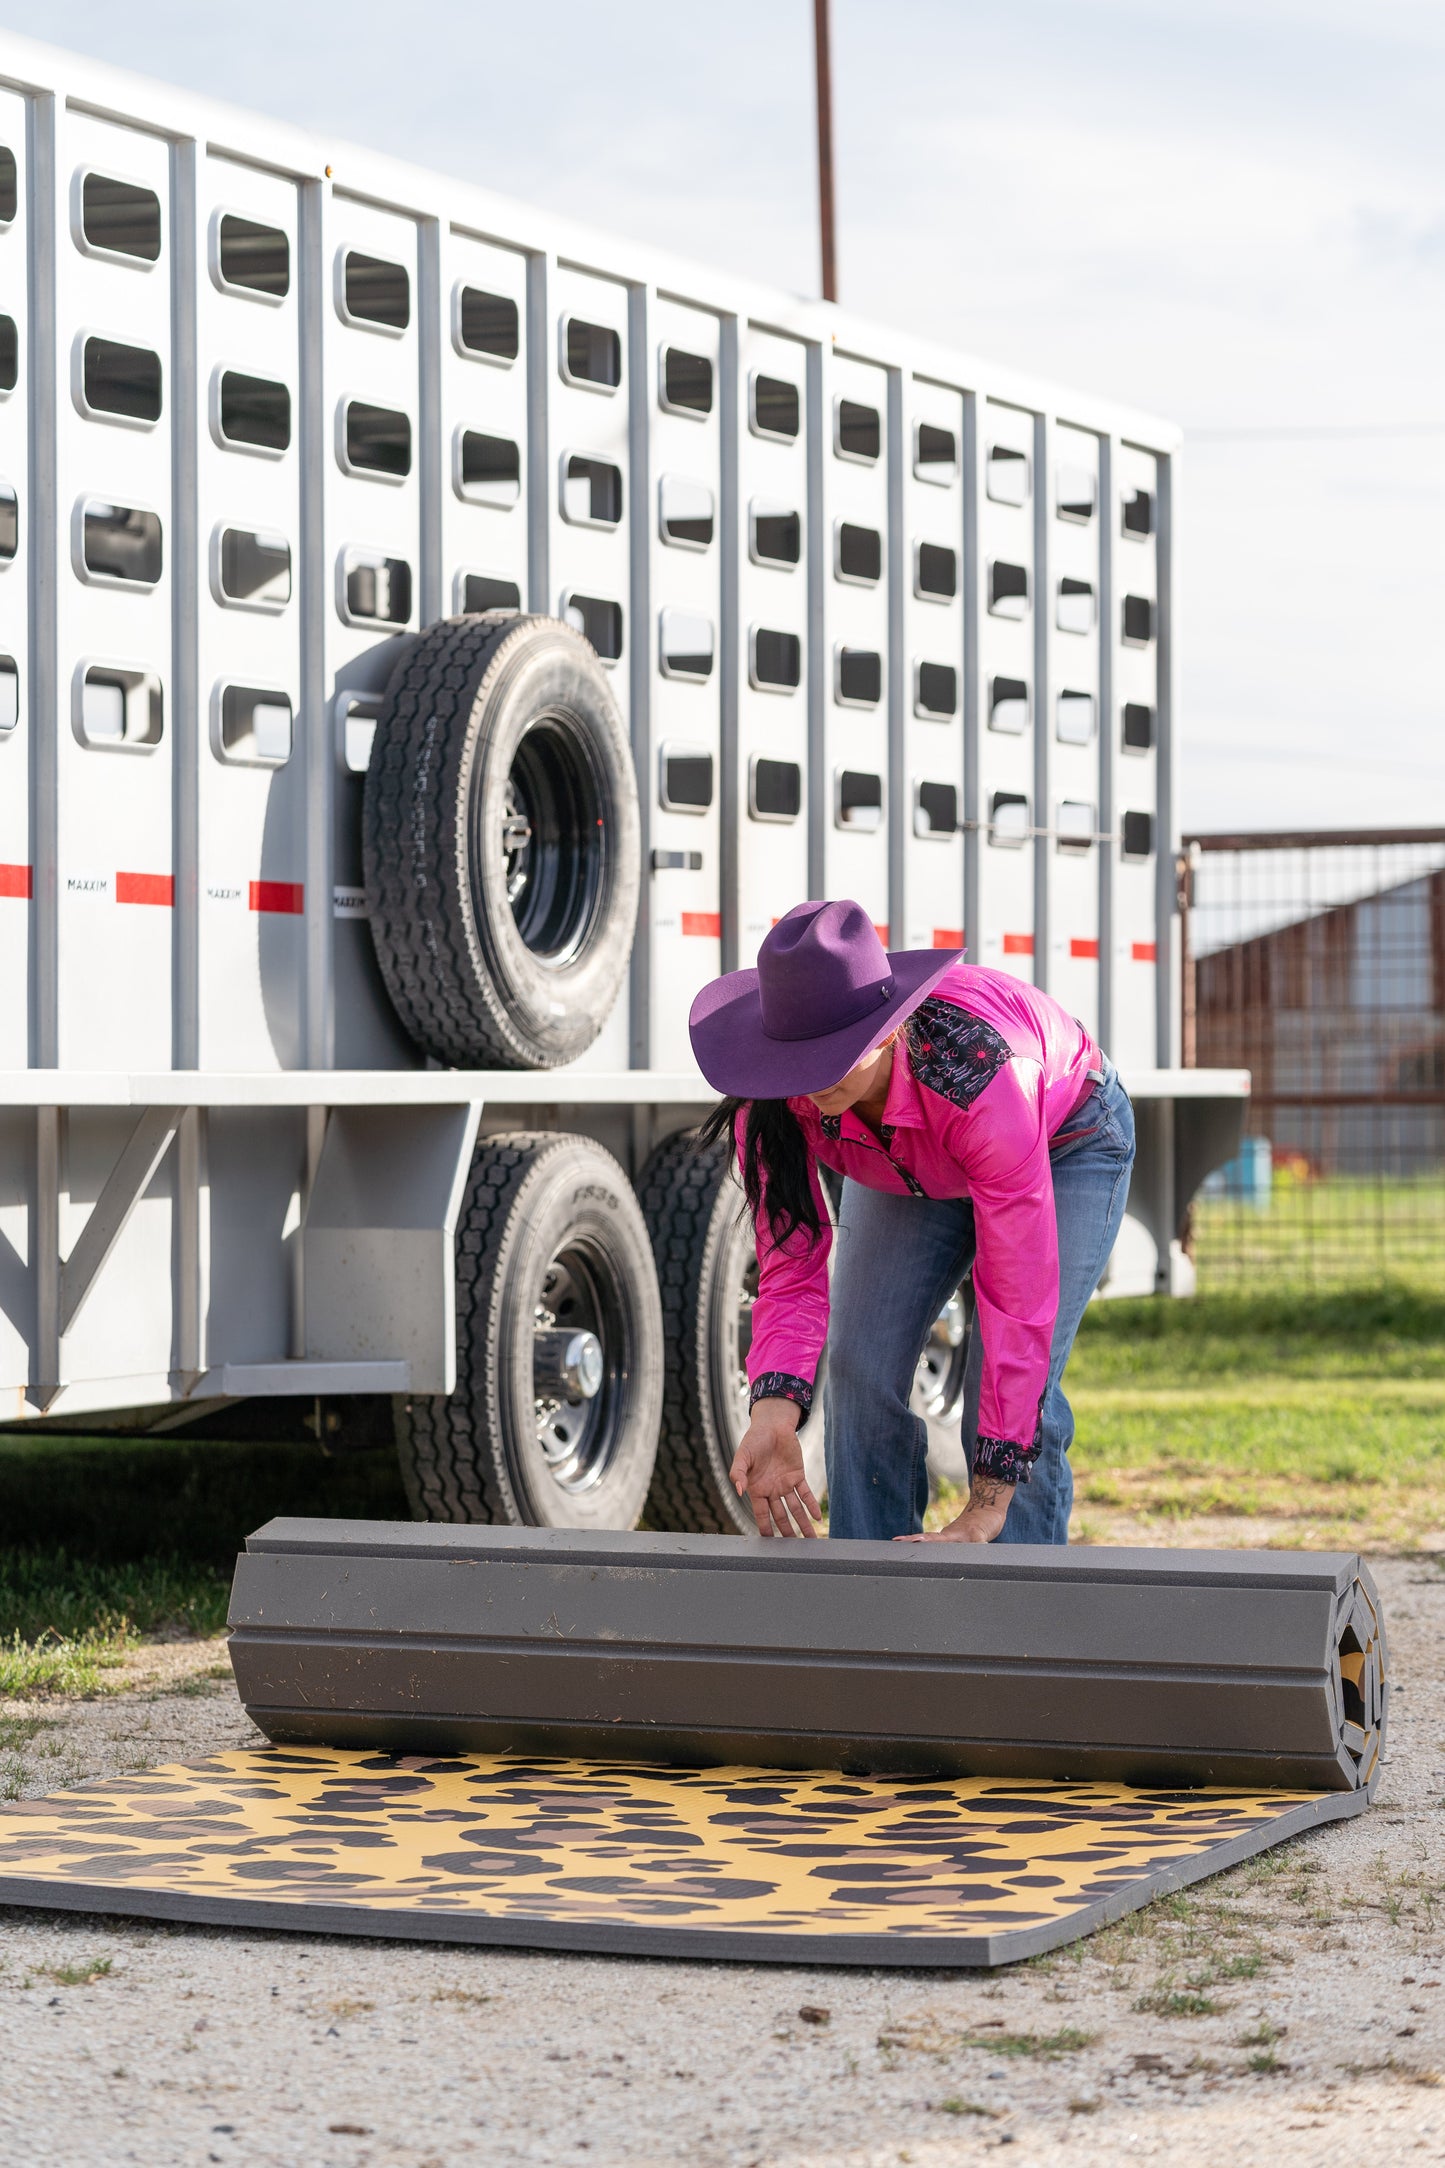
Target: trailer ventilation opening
857, 799
9, 695
120, 381
935, 454
857, 431
591, 354
120, 542
1074, 718
481, 591
935, 573
775, 660
356, 715
859, 682
487, 470
253, 411
1074, 829
686, 381
1006, 474
598, 620
118, 708
375, 589
1008, 706
1138, 621
1138, 835
774, 409
9, 523
1008, 589
935, 811
687, 785
1138, 513
1077, 494
1138, 727
935, 691
9, 186
1008, 824
9, 354
1074, 609
591, 491
858, 554
117, 218
374, 292
251, 258
253, 569
486, 325
376, 440
775, 534
686, 512
686, 645
252, 726
775, 789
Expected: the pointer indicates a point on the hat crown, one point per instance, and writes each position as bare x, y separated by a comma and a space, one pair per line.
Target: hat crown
820, 969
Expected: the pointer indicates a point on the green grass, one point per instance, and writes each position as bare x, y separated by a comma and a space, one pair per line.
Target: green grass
115, 1540
1322, 1416
1323, 1233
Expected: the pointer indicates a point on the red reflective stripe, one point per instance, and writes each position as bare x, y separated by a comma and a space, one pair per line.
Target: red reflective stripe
1083, 949
948, 937
882, 933
16, 881
703, 922
287, 896
145, 888
1145, 952
1018, 944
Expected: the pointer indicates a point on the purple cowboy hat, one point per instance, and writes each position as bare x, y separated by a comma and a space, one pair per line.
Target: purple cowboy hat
824, 994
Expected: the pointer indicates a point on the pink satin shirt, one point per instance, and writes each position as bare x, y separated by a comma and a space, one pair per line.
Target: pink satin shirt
986, 1073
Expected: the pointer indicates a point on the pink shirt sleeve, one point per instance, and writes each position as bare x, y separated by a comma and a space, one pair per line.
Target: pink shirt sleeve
1002, 1143
790, 1316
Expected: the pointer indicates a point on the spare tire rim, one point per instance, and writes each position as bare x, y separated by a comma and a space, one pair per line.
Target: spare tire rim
553, 840
579, 1402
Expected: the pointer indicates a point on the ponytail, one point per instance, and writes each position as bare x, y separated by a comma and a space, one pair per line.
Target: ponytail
775, 1153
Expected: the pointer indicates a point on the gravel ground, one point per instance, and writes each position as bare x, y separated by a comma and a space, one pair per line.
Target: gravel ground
1290, 2012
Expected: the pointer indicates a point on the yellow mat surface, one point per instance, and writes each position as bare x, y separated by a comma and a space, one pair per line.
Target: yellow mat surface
613, 1855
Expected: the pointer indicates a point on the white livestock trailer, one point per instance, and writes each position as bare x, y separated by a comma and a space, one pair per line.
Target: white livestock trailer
434, 640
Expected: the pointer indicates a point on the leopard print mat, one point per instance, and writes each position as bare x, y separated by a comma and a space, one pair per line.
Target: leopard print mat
735, 1862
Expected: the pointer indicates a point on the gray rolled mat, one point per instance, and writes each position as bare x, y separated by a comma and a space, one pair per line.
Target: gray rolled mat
835, 1753
1256, 1669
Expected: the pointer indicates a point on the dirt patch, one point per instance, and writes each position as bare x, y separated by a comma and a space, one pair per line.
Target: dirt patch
1292, 2011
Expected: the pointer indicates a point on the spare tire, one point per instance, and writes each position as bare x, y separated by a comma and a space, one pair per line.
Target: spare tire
553, 1422
500, 839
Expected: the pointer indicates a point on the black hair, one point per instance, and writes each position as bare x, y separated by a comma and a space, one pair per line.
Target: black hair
774, 1149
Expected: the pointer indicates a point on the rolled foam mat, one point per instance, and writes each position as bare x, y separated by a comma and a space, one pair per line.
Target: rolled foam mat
832, 1753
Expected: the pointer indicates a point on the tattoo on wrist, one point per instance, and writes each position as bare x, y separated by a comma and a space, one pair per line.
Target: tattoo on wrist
987, 1492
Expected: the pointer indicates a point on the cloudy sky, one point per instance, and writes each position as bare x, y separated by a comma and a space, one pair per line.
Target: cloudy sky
1229, 211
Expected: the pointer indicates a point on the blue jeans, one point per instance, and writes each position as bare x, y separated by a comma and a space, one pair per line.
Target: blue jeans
898, 1259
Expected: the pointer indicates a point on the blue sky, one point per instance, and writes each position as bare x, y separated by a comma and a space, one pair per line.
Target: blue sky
1231, 213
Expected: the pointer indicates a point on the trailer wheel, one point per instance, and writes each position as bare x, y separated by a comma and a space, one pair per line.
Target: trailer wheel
501, 843
707, 1272
553, 1423
938, 1381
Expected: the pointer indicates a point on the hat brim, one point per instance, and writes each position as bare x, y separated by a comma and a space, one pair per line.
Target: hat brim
738, 1058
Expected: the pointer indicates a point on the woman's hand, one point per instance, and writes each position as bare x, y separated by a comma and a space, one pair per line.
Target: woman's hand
981, 1520
768, 1471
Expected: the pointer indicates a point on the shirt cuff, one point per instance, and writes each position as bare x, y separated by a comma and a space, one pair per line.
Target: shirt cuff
782, 1385
1003, 1460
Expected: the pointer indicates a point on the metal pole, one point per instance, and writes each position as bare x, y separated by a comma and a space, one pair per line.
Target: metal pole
823, 58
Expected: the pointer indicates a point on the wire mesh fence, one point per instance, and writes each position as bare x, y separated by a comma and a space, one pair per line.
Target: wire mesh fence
1317, 962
